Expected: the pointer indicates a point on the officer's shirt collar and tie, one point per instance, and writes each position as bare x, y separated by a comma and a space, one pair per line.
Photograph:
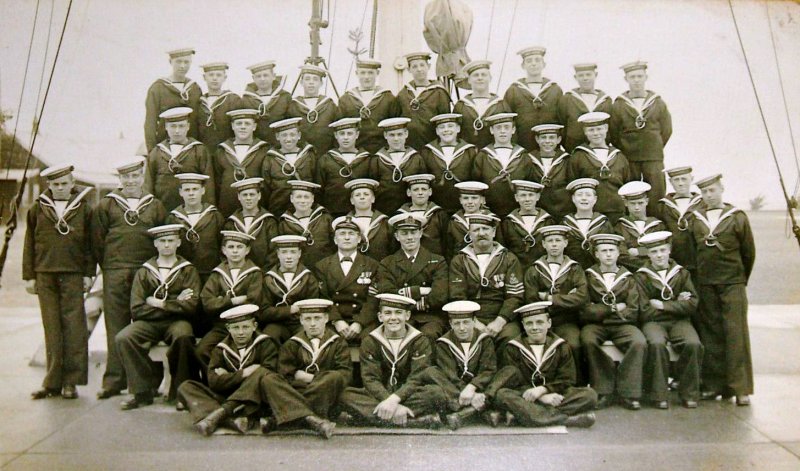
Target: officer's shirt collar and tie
346, 262
411, 256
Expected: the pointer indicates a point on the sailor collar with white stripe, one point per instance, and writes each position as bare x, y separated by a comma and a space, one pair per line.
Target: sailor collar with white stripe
377, 93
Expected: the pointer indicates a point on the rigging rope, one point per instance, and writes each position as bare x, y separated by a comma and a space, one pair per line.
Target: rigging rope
508, 41
491, 25
783, 95
35, 127
21, 95
12, 218
795, 228
373, 29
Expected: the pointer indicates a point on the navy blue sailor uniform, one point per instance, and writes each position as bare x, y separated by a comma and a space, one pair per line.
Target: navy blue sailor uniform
213, 124
498, 173
434, 232
572, 105
421, 103
475, 130
603, 321
552, 366
165, 160
578, 246
317, 230
201, 237
533, 108
726, 253
263, 227
450, 165
165, 94
553, 173
386, 370
611, 171
232, 163
672, 324
334, 169
399, 275
121, 245
381, 105
239, 395
390, 168
676, 213
172, 324
278, 168
271, 108
58, 255
314, 127
376, 235
328, 360
280, 292
631, 230
518, 234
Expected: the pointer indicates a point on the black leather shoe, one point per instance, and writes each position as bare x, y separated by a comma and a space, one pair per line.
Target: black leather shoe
663, 405
630, 404
584, 420
323, 427
743, 400
603, 401
211, 422
137, 401
69, 391
689, 404
45, 393
108, 393
269, 425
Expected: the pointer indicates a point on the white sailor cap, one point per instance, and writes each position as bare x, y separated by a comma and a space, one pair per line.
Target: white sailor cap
484, 218
540, 129
191, 178
302, 185
533, 309
634, 190
256, 68
553, 229
636, 65
476, 65
368, 64
345, 222
165, 230
131, 166
252, 183
446, 118
532, 50
407, 221
654, 239
359, 183
242, 113
57, 171
313, 70
708, 181
462, 309
499, 118
186, 51
345, 123
288, 241
237, 236
606, 239
211, 66
286, 124
594, 118
180, 113
396, 301
527, 185
419, 179
313, 306
581, 183
471, 188
239, 313
391, 124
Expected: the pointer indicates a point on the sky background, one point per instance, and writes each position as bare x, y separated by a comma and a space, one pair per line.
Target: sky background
114, 49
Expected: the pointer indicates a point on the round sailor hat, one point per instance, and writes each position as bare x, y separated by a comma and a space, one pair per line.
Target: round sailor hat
131, 166
527, 185
446, 118
396, 301
533, 309
633, 190
595, 118
345, 123
486, 219
242, 113
414, 56
239, 313
179, 113
237, 236
288, 241
631, 66
256, 68
581, 183
165, 230
191, 178
654, 239
302, 185
252, 183
547, 129
476, 65
359, 183
500, 118
368, 64
584, 66
471, 188
391, 124
708, 181
313, 70
186, 51
419, 179
532, 50
286, 124
313, 306
676, 171
553, 229
211, 66
606, 239
57, 171
461, 309
407, 221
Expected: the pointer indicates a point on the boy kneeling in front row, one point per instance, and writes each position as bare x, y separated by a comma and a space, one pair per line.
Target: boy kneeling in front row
238, 363
314, 367
536, 381
394, 357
